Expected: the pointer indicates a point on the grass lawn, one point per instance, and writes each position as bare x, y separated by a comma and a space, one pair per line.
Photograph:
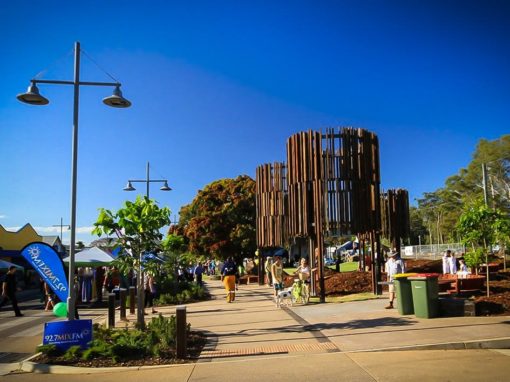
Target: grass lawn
344, 267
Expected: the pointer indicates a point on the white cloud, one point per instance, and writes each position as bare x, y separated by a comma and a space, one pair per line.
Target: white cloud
13, 229
53, 230
84, 229
47, 230
56, 230
3, 216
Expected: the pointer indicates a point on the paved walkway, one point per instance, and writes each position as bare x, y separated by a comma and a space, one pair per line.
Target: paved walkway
252, 340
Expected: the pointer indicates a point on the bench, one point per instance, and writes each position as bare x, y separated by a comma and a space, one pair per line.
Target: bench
248, 279
493, 269
454, 285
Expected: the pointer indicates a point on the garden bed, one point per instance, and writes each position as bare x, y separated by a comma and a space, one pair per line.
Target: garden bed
155, 345
345, 283
196, 342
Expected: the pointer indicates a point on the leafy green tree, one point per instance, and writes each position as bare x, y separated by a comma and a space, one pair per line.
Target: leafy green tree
441, 209
418, 230
480, 226
137, 226
221, 219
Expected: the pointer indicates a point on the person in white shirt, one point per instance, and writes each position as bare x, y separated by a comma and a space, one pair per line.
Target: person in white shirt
452, 262
446, 262
394, 265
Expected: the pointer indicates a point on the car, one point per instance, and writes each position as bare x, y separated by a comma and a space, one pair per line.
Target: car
328, 262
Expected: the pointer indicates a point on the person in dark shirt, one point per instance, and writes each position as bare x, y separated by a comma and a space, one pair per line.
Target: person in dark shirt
9, 290
228, 272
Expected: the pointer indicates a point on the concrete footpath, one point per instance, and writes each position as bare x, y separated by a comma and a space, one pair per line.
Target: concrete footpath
252, 340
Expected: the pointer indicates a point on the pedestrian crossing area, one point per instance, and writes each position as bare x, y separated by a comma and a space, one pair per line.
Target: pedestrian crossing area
32, 323
19, 336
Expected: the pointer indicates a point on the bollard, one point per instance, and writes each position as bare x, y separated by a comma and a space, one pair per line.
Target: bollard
180, 337
122, 294
111, 310
132, 300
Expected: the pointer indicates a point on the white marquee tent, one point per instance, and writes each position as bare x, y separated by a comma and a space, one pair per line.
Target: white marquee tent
93, 256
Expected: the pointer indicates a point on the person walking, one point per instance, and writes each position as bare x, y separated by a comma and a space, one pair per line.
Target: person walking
198, 271
9, 289
394, 265
267, 268
304, 271
150, 293
50, 297
277, 275
228, 272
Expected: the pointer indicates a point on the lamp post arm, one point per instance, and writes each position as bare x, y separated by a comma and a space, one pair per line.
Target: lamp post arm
150, 181
87, 83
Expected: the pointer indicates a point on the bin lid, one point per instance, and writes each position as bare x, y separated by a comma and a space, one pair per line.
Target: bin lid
424, 276
404, 275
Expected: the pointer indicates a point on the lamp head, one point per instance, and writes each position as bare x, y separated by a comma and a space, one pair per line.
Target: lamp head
165, 187
129, 187
116, 99
32, 96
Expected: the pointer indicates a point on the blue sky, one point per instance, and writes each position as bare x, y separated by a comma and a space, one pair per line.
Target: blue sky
218, 86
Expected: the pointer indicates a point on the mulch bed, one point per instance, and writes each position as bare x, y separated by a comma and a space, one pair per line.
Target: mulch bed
498, 302
196, 342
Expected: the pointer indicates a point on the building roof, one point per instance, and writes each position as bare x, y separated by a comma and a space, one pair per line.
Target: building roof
50, 240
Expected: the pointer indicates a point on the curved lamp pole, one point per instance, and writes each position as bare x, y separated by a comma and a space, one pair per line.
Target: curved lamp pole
139, 280
33, 97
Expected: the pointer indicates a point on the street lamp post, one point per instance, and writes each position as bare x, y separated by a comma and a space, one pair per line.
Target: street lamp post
139, 281
61, 225
33, 97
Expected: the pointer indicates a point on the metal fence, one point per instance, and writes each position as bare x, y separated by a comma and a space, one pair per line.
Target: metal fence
431, 251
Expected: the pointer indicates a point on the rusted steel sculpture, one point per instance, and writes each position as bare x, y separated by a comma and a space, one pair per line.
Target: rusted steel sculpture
395, 216
271, 194
332, 182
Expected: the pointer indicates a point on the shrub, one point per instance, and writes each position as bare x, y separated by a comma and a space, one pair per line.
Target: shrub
157, 340
49, 350
182, 293
474, 258
73, 353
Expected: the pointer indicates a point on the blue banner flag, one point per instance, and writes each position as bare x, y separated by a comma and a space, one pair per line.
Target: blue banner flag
46, 261
64, 334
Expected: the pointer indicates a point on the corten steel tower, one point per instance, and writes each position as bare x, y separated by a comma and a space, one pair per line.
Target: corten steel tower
395, 216
333, 188
271, 207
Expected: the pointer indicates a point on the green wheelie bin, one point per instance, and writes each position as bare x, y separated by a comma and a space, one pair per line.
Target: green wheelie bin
424, 288
404, 293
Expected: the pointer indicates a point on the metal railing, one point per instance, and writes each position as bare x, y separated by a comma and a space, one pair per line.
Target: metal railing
431, 251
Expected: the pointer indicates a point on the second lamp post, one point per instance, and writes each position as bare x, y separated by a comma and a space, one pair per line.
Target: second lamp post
139, 279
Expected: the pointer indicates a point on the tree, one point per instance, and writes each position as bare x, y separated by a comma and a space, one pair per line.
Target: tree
137, 227
221, 219
441, 209
480, 226
418, 230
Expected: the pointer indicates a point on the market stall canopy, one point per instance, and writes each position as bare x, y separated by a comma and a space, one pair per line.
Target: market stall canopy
5, 265
91, 257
